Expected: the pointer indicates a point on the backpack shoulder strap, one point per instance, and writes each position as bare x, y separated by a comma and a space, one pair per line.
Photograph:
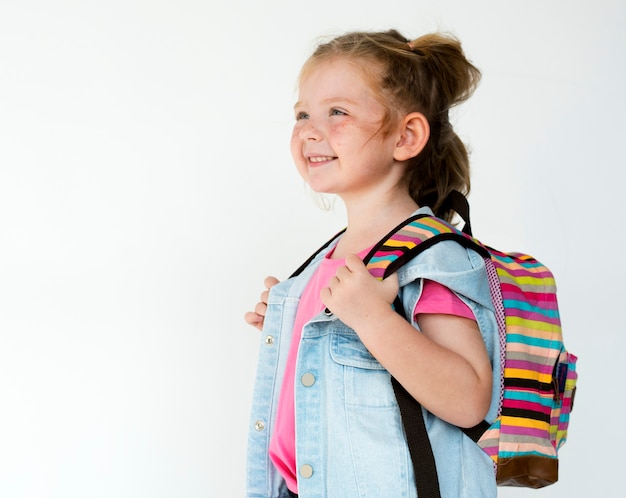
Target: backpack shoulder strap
399, 246
312, 257
411, 237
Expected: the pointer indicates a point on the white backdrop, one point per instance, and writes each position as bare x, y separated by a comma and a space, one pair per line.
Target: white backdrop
146, 189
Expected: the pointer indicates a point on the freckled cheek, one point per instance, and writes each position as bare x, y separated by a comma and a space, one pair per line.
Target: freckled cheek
338, 132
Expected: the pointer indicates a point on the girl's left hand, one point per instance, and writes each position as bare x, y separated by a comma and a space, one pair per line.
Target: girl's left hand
354, 295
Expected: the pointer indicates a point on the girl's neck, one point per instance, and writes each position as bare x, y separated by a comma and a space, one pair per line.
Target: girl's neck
369, 222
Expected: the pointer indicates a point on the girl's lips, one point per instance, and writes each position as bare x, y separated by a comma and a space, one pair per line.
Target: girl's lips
321, 159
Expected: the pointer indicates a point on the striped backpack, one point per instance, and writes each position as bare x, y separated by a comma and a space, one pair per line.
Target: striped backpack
538, 374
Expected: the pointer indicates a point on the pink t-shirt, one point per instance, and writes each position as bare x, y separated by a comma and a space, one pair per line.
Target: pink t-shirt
435, 299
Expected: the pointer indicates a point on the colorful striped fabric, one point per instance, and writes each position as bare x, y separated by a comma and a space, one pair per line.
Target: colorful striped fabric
538, 373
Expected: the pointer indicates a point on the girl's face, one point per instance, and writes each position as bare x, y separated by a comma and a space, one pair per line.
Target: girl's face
338, 143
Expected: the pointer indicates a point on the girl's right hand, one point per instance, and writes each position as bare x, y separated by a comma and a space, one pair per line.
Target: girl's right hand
256, 317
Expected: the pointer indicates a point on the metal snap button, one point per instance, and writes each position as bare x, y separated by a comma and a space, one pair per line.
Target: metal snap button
308, 379
306, 470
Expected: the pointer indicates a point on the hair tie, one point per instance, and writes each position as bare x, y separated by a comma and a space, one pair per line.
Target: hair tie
413, 49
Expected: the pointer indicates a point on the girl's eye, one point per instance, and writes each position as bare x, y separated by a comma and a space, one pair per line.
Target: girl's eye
337, 112
301, 115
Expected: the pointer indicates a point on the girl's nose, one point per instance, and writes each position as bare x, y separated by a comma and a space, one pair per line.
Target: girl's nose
308, 131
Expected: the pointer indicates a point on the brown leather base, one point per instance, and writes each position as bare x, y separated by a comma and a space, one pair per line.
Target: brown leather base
527, 471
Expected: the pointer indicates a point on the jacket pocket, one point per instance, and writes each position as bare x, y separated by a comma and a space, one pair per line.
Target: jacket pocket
366, 383
347, 349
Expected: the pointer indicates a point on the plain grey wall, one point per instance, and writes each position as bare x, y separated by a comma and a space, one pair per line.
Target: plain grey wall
146, 189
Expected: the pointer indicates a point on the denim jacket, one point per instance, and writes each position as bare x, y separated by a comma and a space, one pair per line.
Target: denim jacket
349, 436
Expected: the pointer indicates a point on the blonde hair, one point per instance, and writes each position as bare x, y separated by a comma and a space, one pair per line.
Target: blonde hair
429, 74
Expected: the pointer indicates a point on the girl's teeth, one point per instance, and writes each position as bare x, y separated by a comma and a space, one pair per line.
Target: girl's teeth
320, 159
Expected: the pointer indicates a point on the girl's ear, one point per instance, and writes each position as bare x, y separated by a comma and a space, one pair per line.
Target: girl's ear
414, 133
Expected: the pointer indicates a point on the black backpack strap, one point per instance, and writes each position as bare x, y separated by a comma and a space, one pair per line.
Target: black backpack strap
312, 257
458, 202
476, 432
420, 449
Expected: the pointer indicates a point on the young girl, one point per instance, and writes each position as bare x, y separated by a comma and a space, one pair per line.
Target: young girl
372, 127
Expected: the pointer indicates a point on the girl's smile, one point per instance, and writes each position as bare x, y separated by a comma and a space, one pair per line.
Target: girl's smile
320, 159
